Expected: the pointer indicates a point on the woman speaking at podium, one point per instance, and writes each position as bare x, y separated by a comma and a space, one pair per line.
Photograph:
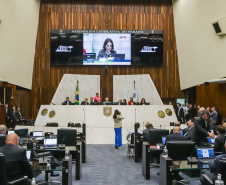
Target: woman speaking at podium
118, 129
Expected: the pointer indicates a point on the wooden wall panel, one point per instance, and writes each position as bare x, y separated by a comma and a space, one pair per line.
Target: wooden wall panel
212, 95
23, 101
92, 14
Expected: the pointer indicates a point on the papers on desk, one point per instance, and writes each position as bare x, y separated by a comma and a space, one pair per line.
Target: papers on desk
39, 138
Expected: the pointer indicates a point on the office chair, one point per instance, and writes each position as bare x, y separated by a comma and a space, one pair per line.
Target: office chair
206, 180
130, 146
2, 140
177, 151
3, 174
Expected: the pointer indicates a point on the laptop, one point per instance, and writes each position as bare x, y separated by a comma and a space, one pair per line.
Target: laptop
37, 133
205, 155
28, 155
10, 131
50, 143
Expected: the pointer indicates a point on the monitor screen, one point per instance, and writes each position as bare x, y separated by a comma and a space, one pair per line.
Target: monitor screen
106, 47
37, 133
67, 137
50, 142
205, 153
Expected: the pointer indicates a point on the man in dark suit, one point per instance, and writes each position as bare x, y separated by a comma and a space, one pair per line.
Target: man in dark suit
214, 167
180, 113
85, 102
148, 126
20, 113
219, 141
202, 127
14, 117
67, 102
91, 101
120, 102
176, 136
191, 111
190, 129
17, 165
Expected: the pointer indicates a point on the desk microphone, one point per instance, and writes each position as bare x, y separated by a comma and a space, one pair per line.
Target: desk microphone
143, 125
190, 158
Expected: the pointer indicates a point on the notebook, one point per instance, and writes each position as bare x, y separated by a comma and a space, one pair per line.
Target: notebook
205, 155
37, 133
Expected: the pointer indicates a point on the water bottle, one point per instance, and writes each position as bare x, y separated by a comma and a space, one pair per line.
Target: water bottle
33, 182
67, 152
165, 152
48, 165
219, 181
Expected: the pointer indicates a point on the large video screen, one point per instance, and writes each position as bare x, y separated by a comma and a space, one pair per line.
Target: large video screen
106, 47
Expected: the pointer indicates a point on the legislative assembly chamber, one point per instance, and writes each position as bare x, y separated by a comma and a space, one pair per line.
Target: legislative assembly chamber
112, 92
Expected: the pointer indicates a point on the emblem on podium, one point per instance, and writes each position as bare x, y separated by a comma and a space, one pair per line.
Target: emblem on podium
107, 111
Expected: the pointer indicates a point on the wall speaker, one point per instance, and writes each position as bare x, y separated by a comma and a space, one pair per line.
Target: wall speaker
220, 26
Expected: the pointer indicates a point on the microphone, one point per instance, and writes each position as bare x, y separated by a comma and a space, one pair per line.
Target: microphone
160, 127
192, 160
143, 125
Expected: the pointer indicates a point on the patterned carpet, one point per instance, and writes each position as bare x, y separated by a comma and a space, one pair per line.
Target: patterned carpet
108, 166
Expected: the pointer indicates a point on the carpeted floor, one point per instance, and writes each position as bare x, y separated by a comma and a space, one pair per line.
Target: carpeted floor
108, 166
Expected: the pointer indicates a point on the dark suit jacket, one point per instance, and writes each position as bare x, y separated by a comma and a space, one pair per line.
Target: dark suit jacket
16, 162
146, 134
15, 116
201, 130
191, 112
65, 103
214, 165
190, 132
186, 130
181, 114
84, 103
219, 144
176, 137
91, 103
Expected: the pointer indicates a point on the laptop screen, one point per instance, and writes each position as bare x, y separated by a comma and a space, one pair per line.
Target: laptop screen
50, 142
28, 155
37, 133
205, 153
11, 131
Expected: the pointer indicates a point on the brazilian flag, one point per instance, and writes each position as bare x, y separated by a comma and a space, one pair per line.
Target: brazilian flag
77, 95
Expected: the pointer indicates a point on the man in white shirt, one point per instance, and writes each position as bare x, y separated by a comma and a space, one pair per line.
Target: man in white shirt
128, 138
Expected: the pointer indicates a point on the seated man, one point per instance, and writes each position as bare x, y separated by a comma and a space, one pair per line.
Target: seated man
120, 101
67, 102
148, 126
106, 101
176, 136
3, 129
91, 100
175, 124
85, 102
17, 165
214, 167
131, 132
191, 128
219, 141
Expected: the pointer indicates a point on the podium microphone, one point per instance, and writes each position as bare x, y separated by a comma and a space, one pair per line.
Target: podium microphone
160, 127
143, 125
135, 115
84, 116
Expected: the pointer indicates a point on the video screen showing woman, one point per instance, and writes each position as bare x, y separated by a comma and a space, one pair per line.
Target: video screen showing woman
107, 50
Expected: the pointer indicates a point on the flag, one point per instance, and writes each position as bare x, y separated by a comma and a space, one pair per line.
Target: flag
134, 93
77, 95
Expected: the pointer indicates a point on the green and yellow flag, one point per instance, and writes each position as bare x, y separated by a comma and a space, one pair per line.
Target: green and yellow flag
77, 95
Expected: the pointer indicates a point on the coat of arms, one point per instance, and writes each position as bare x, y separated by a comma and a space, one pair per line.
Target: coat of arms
107, 111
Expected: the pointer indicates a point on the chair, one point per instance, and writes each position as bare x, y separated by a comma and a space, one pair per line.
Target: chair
3, 174
206, 180
130, 146
2, 140
180, 150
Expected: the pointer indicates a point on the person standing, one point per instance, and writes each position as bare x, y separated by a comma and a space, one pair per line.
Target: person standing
118, 128
14, 117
